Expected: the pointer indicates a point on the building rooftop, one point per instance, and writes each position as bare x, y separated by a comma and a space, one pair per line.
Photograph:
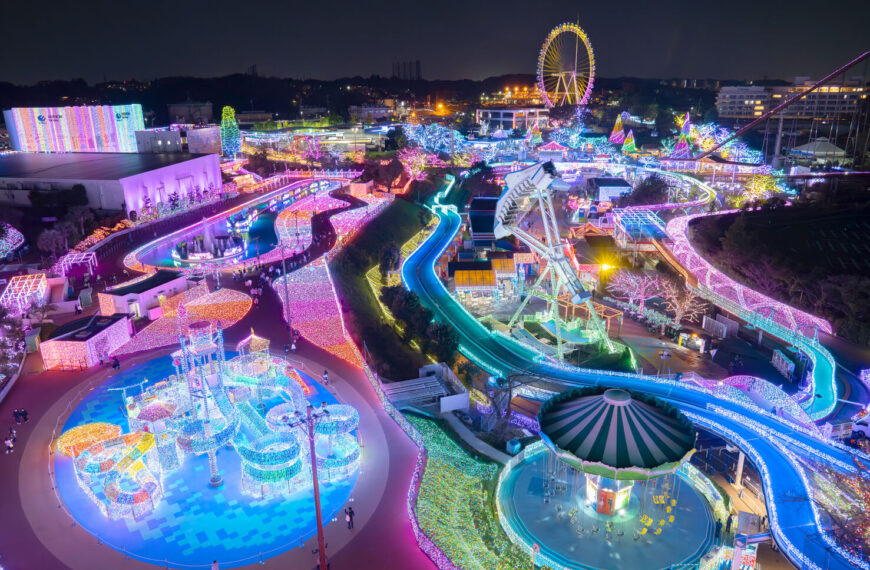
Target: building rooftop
484, 279
606, 181
455, 266
83, 329
87, 165
144, 283
483, 204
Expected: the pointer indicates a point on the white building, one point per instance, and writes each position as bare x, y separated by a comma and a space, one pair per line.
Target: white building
369, 113
142, 294
112, 181
833, 101
158, 140
206, 140
512, 117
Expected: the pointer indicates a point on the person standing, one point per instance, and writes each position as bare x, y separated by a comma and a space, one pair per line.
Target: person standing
293, 346
10, 446
326, 377
348, 516
214, 566
718, 529
13, 435
16, 413
24, 417
728, 525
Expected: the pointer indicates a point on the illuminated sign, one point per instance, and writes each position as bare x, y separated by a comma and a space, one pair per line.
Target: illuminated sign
100, 128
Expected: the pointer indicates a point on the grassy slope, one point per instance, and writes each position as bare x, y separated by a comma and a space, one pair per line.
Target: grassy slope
455, 507
398, 223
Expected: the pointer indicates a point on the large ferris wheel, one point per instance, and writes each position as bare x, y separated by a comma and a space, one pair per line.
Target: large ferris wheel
566, 67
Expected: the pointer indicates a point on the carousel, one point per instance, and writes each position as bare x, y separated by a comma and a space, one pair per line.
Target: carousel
616, 438
609, 485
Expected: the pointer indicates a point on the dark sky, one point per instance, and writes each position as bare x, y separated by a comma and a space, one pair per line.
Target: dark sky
63, 39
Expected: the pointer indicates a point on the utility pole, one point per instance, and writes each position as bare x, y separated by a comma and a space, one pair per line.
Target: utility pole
286, 292
310, 421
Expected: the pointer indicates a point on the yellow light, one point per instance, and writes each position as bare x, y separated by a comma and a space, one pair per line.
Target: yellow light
606, 267
74, 441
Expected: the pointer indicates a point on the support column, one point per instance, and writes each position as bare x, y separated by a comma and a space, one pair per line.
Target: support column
738, 481
778, 145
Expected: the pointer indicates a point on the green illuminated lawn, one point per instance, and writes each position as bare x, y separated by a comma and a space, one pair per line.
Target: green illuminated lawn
454, 506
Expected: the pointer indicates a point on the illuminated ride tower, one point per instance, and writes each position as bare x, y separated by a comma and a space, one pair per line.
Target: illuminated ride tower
527, 189
213, 420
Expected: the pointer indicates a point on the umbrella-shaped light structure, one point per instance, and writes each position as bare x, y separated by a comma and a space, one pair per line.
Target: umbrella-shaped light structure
616, 433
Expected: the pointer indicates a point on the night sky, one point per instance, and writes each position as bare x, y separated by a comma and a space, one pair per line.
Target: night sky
454, 39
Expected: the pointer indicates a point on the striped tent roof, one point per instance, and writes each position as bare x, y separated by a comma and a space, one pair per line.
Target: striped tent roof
616, 433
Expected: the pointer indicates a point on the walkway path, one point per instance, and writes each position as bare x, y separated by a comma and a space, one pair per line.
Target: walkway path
380, 503
472, 440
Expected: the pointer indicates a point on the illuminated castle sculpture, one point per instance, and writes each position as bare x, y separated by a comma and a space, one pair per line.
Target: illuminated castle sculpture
246, 403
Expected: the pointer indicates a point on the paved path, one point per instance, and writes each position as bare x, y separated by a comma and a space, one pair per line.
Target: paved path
383, 537
472, 440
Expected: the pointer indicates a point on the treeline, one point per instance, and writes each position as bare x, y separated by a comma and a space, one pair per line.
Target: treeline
806, 255
438, 339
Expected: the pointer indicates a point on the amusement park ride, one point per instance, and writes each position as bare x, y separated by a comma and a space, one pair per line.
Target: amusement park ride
526, 187
566, 67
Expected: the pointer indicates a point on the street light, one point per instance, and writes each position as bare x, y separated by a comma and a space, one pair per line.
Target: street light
286, 292
310, 421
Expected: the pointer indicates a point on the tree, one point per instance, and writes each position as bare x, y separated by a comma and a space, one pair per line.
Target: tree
443, 341
414, 161
636, 288
83, 216
231, 139
39, 310
391, 256
652, 190
665, 124
679, 300
313, 150
50, 241
69, 231
259, 161
395, 139
500, 396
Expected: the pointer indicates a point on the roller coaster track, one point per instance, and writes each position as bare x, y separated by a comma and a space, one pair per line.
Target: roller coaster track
794, 98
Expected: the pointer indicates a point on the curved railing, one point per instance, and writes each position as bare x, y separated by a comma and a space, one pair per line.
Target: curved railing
785, 323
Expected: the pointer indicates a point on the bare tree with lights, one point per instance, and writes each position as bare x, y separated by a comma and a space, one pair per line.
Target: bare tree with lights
636, 288
679, 300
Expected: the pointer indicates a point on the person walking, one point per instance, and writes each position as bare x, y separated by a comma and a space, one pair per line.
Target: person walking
10, 445
215, 566
728, 525
348, 517
17, 414
293, 346
718, 529
24, 414
326, 377
13, 434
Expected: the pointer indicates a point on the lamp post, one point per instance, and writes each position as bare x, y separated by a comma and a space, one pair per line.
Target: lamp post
310, 421
286, 292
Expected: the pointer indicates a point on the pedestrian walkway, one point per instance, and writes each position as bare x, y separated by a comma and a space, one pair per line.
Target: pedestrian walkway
472, 440
647, 347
